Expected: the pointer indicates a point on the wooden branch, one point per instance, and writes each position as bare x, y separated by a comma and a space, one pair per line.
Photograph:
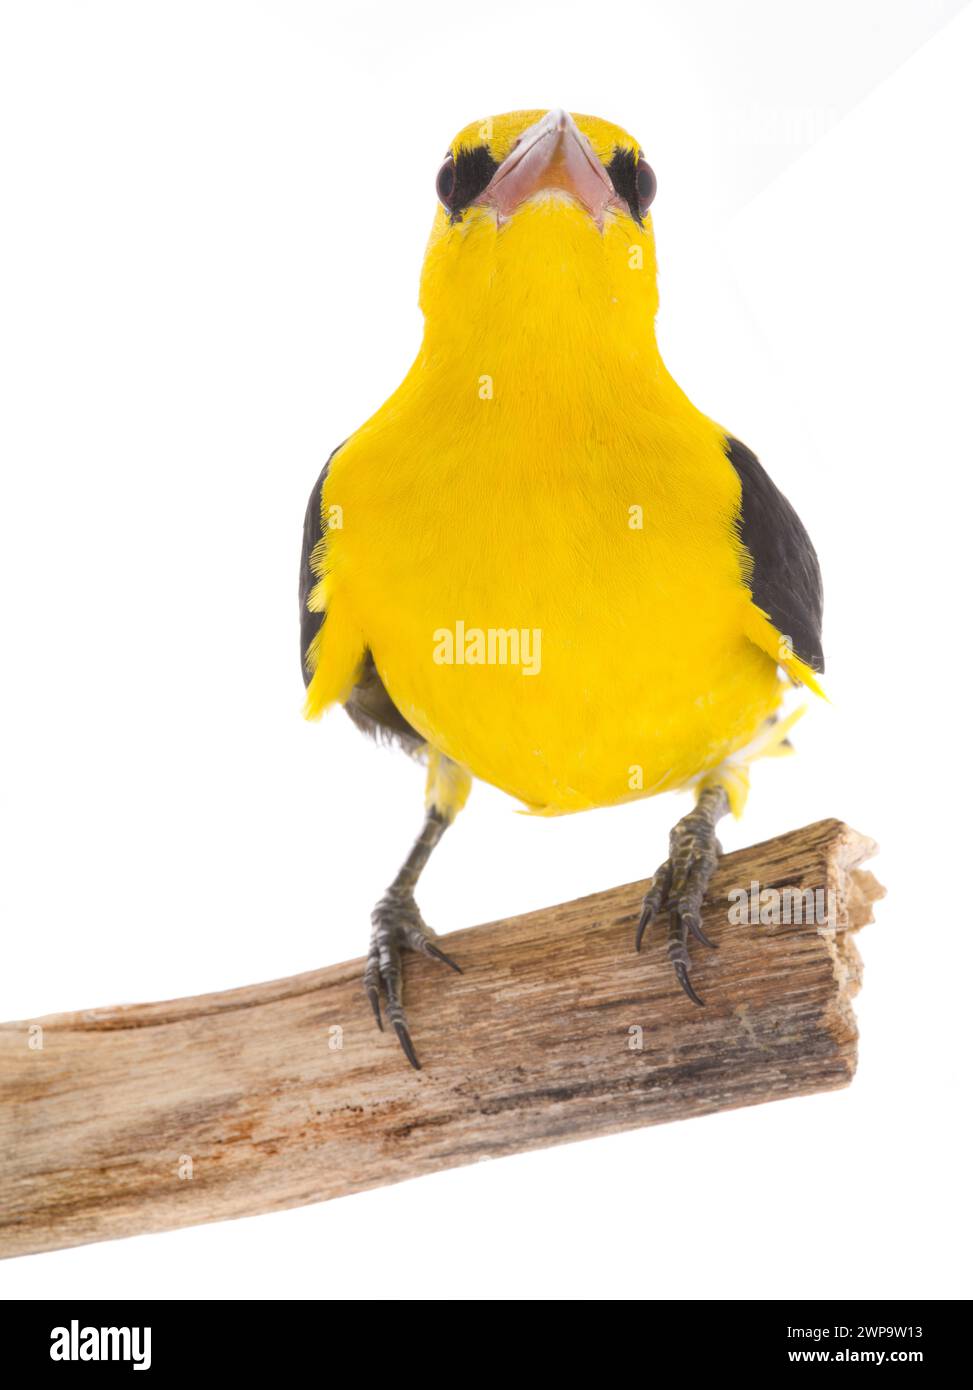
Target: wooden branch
154, 1116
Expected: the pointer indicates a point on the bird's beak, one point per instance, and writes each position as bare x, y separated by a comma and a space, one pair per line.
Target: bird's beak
553, 154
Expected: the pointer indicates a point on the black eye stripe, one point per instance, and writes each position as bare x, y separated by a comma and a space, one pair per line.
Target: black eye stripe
473, 168
466, 174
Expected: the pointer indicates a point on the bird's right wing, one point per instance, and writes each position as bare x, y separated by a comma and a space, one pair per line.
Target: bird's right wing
312, 619
333, 657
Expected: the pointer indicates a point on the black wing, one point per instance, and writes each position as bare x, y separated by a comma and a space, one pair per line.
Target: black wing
786, 578
369, 704
313, 531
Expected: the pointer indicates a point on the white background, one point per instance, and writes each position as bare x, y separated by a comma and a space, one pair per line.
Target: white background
214, 218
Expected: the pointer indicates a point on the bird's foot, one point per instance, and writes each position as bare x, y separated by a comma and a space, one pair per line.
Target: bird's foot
679, 885
396, 924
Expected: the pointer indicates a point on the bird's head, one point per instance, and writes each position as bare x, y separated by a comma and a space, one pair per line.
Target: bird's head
543, 227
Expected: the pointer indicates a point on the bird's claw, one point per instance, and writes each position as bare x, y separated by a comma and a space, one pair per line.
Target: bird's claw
653, 901
397, 923
405, 1038
682, 975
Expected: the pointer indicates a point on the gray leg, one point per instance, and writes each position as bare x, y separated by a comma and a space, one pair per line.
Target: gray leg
679, 885
397, 923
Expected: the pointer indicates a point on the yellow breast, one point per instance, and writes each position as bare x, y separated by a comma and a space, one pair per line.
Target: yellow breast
565, 621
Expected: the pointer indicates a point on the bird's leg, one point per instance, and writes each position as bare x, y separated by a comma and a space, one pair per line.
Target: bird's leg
679, 885
397, 923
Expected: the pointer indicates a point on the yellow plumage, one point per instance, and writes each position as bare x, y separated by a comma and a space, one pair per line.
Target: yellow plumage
539, 471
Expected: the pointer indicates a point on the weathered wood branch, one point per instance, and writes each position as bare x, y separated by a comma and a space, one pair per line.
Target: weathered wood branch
556, 1031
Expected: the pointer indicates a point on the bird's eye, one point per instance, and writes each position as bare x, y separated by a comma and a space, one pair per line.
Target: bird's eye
633, 180
644, 186
446, 183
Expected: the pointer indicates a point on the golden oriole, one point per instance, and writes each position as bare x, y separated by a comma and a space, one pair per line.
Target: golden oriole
538, 563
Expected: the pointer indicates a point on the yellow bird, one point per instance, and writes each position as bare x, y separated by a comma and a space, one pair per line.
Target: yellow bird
538, 563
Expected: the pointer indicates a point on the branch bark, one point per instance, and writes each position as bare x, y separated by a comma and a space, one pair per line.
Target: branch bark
154, 1116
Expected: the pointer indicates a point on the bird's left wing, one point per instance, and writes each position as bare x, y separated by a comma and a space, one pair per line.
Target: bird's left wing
784, 576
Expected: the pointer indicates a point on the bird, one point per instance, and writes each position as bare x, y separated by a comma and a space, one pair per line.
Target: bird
538, 564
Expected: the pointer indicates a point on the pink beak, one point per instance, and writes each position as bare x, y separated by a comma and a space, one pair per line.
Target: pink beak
553, 154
